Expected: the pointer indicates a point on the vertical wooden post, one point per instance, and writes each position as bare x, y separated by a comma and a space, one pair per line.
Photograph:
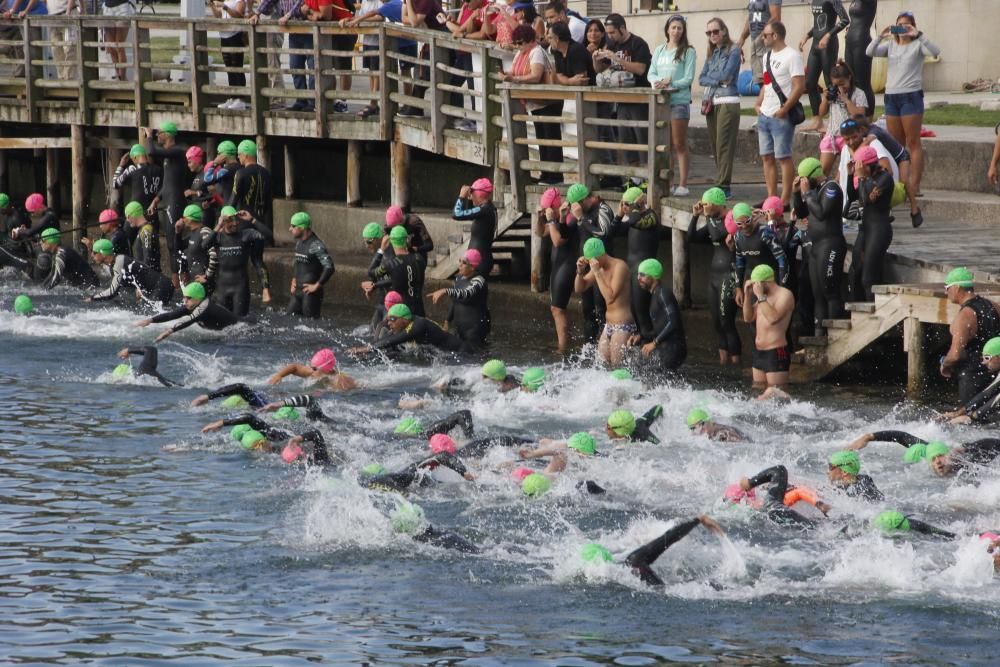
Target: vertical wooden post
437, 55
400, 174
322, 42
263, 151
86, 35
539, 248
491, 133
3, 169
585, 133
32, 73
79, 156
52, 178
257, 40
679, 263
659, 136
198, 78
289, 172
354, 156
387, 66
515, 153
140, 54
114, 195
916, 367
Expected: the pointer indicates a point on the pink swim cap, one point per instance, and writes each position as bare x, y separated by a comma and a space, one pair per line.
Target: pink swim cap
520, 473
473, 257
324, 360
735, 495
442, 443
394, 216
730, 223
291, 453
34, 203
550, 199
482, 185
195, 153
391, 299
992, 537
107, 215
773, 205
866, 154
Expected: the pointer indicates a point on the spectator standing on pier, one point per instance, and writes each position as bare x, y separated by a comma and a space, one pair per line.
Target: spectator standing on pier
117, 34
421, 14
235, 10
274, 9
555, 12
721, 100
760, 13
65, 52
774, 127
574, 66
672, 66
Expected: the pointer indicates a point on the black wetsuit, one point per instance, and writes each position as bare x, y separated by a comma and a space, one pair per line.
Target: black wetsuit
420, 240
321, 452
403, 274
484, 229
206, 314
252, 192
257, 399
403, 479
446, 540
425, 332
874, 233
469, 316
864, 488
760, 247
15, 253
641, 560
176, 178
236, 252
976, 453
313, 264
862, 16
668, 329
722, 282
562, 273
825, 206
643, 243
201, 256
119, 240
146, 245
984, 406
221, 178
597, 223
774, 501
973, 376
127, 271
70, 266
829, 18
480, 446
377, 297
459, 418
145, 181
150, 360
643, 426
46, 219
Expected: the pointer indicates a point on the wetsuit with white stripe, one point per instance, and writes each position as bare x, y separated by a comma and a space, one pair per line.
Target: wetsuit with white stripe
126, 271
484, 228
70, 266
206, 314
469, 316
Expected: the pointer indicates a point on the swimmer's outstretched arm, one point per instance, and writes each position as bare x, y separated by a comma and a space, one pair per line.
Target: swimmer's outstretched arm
448, 461
776, 475
642, 559
918, 526
899, 437
298, 370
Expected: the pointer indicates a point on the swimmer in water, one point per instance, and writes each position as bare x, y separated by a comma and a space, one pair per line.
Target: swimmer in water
150, 360
495, 371
239, 395
622, 424
197, 309
641, 560
844, 473
774, 502
894, 523
410, 427
945, 461
408, 519
559, 454
443, 453
700, 423
319, 454
406, 327
322, 369
984, 406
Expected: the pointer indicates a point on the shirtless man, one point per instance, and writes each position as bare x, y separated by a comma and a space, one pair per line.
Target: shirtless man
771, 309
611, 276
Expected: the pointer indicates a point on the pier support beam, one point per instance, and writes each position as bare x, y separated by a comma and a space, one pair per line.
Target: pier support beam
52, 178
679, 262
354, 156
114, 195
79, 155
916, 362
289, 172
263, 151
400, 174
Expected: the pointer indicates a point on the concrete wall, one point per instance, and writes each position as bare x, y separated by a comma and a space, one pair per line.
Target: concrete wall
962, 28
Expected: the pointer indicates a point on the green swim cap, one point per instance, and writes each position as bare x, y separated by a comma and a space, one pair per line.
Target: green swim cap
407, 518
593, 248
134, 210
992, 347
714, 196
582, 442
594, 552
622, 422
621, 374
632, 195
408, 426
374, 469
302, 220
742, 210
237, 432
697, 416
372, 230
652, 268
103, 247
762, 273
847, 461
169, 127
23, 305
287, 413
402, 311
226, 148
227, 212
193, 212
494, 369
959, 277
4, 200
136, 150
535, 484
915, 453
247, 147
122, 370
577, 193
234, 401
891, 521
533, 379
251, 438
194, 291
936, 449
398, 236
810, 168
51, 235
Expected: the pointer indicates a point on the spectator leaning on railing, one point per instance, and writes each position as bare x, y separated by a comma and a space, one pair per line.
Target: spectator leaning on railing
392, 12
555, 12
672, 66
720, 102
421, 14
574, 66
67, 52
282, 11
233, 10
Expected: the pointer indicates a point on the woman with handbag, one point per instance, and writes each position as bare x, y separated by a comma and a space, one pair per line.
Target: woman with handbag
721, 101
672, 67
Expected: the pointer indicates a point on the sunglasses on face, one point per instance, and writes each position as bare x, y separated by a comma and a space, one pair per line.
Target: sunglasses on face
712, 33
695, 427
767, 34
464, 262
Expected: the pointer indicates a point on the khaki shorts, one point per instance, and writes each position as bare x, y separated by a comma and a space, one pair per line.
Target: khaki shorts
757, 52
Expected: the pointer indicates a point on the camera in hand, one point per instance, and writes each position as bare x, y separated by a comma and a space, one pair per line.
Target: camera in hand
899, 29
832, 93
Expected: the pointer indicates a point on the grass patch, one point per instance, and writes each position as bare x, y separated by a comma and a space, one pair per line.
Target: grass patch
951, 114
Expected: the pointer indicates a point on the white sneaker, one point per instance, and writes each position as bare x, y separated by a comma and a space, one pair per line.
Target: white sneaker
237, 105
465, 125
680, 191
225, 105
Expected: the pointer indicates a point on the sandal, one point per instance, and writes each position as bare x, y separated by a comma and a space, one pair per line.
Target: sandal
917, 218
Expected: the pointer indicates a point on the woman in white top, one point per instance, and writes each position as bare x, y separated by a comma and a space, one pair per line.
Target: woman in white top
904, 87
234, 10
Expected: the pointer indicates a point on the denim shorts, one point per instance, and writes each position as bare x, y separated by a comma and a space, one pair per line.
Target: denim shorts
774, 136
904, 104
680, 112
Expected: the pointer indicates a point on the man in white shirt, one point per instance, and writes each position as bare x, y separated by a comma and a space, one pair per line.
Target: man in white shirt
854, 137
774, 129
555, 12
